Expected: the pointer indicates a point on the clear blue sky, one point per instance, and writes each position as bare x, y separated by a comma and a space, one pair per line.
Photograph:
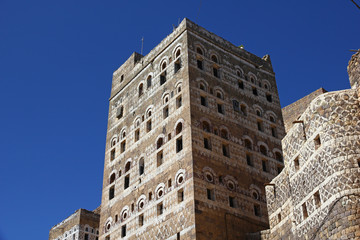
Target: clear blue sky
56, 65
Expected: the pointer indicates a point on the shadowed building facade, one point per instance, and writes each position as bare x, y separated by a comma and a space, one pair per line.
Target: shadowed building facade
194, 132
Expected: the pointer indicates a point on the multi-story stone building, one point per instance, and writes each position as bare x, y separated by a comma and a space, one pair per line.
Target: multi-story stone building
81, 225
194, 135
317, 195
194, 132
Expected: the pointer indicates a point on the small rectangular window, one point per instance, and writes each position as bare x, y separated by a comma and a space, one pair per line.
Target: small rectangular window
86, 236
165, 112
203, 101
215, 72
178, 236
279, 217
137, 135
111, 192
317, 142
169, 183
264, 165
178, 101
148, 82
160, 209
159, 158
260, 127
220, 108
241, 84
249, 160
304, 209
177, 66
210, 194
225, 150
180, 195
123, 146
254, 90
179, 144
112, 154
269, 97
273, 132
257, 210
123, 231
207, 143
317, 199
141, 220
127, 181
200, 64
148, 126
232, 202
120, 112
162, 78
296, 164
236, 106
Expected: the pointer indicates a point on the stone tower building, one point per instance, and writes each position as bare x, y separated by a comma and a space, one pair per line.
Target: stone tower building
194, 132
317, 195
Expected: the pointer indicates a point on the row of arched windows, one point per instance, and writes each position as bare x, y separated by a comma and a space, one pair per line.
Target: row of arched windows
160, 191
247, 142
145, 117
237, 106
214, 57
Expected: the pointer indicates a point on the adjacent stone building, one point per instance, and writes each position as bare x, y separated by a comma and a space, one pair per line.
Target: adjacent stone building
81, 225
194, 132
317, 195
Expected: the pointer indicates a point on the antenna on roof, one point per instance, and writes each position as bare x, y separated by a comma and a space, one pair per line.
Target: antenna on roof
356, 4
142, 45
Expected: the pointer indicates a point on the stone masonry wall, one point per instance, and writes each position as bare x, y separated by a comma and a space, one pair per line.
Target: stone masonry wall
293, 111
317, 194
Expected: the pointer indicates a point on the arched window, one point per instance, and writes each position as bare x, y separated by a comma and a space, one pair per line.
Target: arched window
219, 95
202, 87
163, 66
206, 126
178, 128
177, 54
248, 144
214, 59
239, 73
272, 119
159, 143
141, 166
199, 51
258, 112
263, 150
163, 74
127, 167
149, 81
177, 64
141, 90
112, 178
224, 134
148, 114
